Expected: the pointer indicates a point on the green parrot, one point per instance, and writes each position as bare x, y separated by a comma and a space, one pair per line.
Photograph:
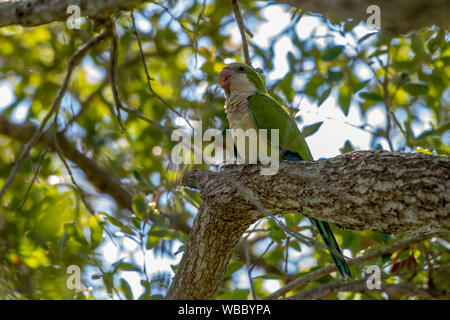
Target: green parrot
249, 106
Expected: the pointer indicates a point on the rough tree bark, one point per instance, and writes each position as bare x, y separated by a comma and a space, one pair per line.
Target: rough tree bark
382, 191
32, 13
400, 16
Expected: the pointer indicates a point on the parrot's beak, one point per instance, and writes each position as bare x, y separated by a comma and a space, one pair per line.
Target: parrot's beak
223, 79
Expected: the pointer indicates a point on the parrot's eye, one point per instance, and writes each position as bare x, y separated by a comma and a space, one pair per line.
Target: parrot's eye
241, 69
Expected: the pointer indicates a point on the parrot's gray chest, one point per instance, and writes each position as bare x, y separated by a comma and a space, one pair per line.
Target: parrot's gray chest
238, 113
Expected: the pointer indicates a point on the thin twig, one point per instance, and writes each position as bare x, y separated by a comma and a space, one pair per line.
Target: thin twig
35, 177
73, 61
242, 30
149, 79
84, 106
286, 261
385, 86
196, 36
262, 254
69, 171
112, 74
387, 100
249, 268
256, 258
174, 18
33, 168
138, 114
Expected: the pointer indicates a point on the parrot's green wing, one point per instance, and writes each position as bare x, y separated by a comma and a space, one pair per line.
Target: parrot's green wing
268, 114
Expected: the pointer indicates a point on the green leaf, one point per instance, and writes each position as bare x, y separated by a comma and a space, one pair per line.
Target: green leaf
349, 25
72, 231
125, 266
152, 241
126, 289
310, 130
139, 177
332, 53
159, 227
324, 96
367, 36
136, 222
270, 276
424, 151
108, 281
139, 206
292, 219
96, 226
377, 53
191, 196
286, 87
277, 235
313, 84
295, 245
348, 147
63, 242
334, 76
360, 85
433, 44
404, 78
180, 250
370, 96
416, 88
386, 257
159, 231
344, 99
275, 256
233, 267
123, 227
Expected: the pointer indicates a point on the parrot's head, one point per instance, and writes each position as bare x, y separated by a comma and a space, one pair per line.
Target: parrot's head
238, 78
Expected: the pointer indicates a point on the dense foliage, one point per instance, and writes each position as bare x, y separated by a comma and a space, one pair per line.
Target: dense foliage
47, 228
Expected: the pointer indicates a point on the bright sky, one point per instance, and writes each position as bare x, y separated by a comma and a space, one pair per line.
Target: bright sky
336, 129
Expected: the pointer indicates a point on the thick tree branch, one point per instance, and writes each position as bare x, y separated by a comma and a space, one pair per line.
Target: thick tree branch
382, 191
32, 13
396, 16
387, 192
401, 16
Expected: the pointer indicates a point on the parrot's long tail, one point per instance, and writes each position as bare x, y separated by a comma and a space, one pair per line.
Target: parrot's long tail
329, 239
